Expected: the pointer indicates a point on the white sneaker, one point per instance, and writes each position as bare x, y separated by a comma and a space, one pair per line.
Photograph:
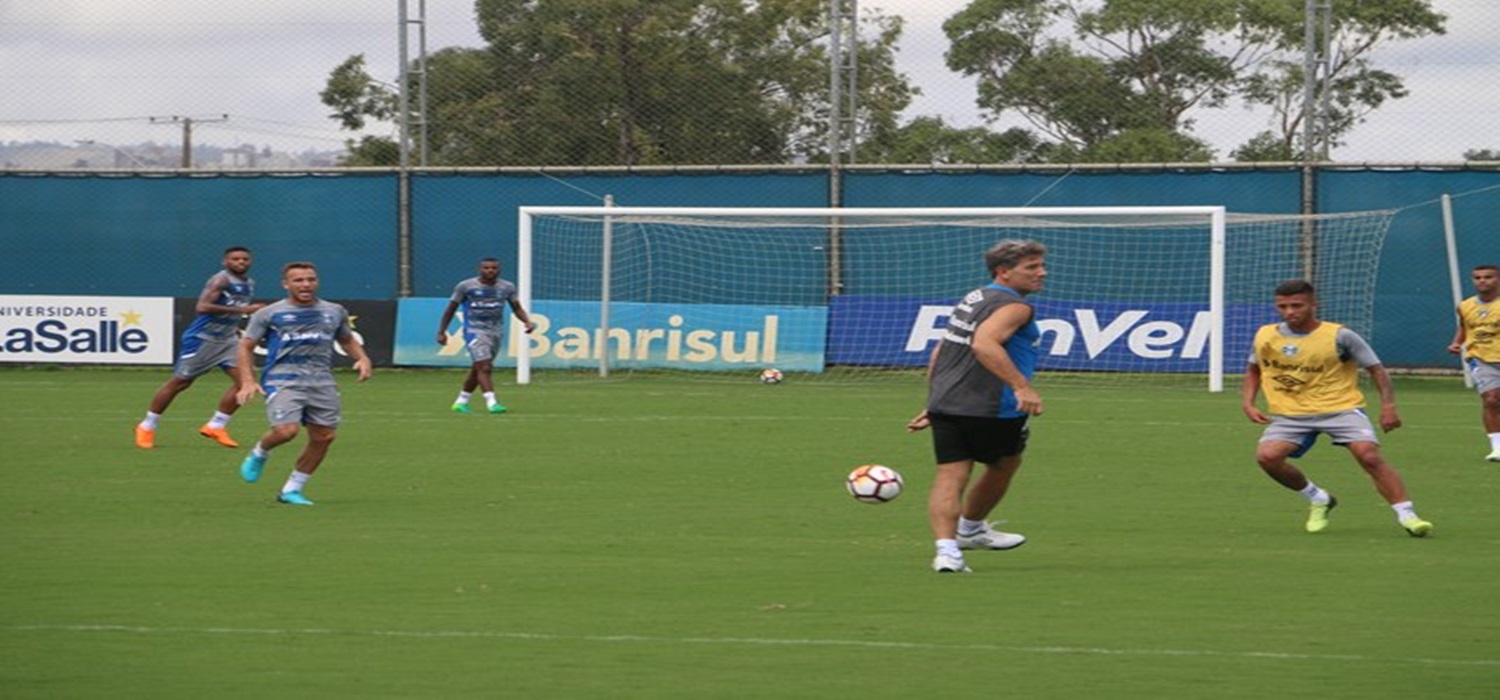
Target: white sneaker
949, 564
990, 538
1494, 456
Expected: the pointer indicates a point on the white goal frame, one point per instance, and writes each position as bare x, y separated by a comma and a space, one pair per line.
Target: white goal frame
1215, 216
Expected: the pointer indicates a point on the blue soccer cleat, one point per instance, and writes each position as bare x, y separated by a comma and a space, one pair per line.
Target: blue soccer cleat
293, 498
251, 467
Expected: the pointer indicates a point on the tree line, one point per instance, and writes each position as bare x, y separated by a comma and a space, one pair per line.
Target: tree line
685, 82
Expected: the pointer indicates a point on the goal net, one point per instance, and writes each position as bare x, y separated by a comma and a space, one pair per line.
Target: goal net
1133, 294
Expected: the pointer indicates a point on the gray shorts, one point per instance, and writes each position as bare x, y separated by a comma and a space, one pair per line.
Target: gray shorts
199, 357
1486, 376
482, 346
308, 405
1343, 427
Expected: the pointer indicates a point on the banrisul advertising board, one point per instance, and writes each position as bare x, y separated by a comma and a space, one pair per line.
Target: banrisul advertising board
79, 329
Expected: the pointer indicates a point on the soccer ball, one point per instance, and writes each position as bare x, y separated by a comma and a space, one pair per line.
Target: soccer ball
771, 376
874, 483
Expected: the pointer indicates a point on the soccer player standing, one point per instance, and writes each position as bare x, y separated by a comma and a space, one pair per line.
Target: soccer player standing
1309, 371
979, 402
483, 300
297, 380
209, 342
1477, 340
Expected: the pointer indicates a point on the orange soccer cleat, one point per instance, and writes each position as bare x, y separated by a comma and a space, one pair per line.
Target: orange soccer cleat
219, 435
145, 438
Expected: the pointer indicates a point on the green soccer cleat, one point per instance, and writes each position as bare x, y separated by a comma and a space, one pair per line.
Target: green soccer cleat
1416, 527
251, 467
1317, 515
293, 498
497, 408
461, 407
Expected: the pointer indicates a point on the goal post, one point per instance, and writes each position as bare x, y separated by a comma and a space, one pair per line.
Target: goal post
1134, 294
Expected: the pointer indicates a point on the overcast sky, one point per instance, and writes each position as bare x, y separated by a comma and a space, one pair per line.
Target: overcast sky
74, 70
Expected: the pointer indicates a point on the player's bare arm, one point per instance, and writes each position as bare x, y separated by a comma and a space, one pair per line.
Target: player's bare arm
245, 372
1389, 418
921, 421
442, 334
356, 352
1459, 336
209, 297
1249, 389
515, 307
989, 348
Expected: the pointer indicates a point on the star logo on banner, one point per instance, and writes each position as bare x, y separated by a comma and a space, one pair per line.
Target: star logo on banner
132, 317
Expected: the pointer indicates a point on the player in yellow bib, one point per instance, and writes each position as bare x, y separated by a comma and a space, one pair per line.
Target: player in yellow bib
1478, 342
1309, 372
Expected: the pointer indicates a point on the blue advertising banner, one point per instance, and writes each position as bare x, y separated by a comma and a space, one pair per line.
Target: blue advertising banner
642, 335
1089, 335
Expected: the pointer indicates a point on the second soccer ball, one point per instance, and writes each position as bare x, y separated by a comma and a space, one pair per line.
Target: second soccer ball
771, 376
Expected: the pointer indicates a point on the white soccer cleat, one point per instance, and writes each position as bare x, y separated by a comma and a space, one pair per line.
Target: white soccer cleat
990, 538
949, 564
1494, 456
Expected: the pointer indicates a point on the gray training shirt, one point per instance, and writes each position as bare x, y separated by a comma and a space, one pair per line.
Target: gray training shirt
299, 342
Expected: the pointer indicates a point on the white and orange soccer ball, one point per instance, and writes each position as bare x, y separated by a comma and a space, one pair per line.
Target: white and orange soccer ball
771, 376
874, 484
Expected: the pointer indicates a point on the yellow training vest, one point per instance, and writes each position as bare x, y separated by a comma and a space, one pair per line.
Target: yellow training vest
1481, 328
1303, 376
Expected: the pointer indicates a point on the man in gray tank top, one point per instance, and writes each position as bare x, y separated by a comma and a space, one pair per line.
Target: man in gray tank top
297, 380
979, 401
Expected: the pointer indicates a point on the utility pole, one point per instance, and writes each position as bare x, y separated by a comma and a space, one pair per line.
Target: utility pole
187, 132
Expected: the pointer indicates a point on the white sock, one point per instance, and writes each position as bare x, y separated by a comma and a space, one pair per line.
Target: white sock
259, 451
463, 397
1315, 494
1403, 510
220, 420
1494, 439
969, 527
489, 398
149, 422
949, 547
295, 482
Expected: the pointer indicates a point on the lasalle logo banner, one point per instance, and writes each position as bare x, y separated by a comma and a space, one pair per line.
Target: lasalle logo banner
94, 330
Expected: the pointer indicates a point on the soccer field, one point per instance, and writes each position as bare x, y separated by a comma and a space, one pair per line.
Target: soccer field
660, 538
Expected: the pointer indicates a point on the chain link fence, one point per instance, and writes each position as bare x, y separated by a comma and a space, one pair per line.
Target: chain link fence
149, 84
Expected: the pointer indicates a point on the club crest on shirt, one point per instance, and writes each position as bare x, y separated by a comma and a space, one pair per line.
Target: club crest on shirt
1290, 350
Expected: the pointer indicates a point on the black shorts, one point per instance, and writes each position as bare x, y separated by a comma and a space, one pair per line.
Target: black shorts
987, 440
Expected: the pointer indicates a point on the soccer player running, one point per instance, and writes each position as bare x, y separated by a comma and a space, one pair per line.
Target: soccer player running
297, 379
979, 401
1477, 341
1309, 371
209, 342
483, 300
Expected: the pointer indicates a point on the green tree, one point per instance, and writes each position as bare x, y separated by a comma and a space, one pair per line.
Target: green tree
930, 140
643, 82
1123, 78
1352, 88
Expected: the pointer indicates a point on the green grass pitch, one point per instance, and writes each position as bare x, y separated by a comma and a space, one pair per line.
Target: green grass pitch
661, 538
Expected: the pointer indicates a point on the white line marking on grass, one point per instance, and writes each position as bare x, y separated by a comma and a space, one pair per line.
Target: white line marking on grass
748, 641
